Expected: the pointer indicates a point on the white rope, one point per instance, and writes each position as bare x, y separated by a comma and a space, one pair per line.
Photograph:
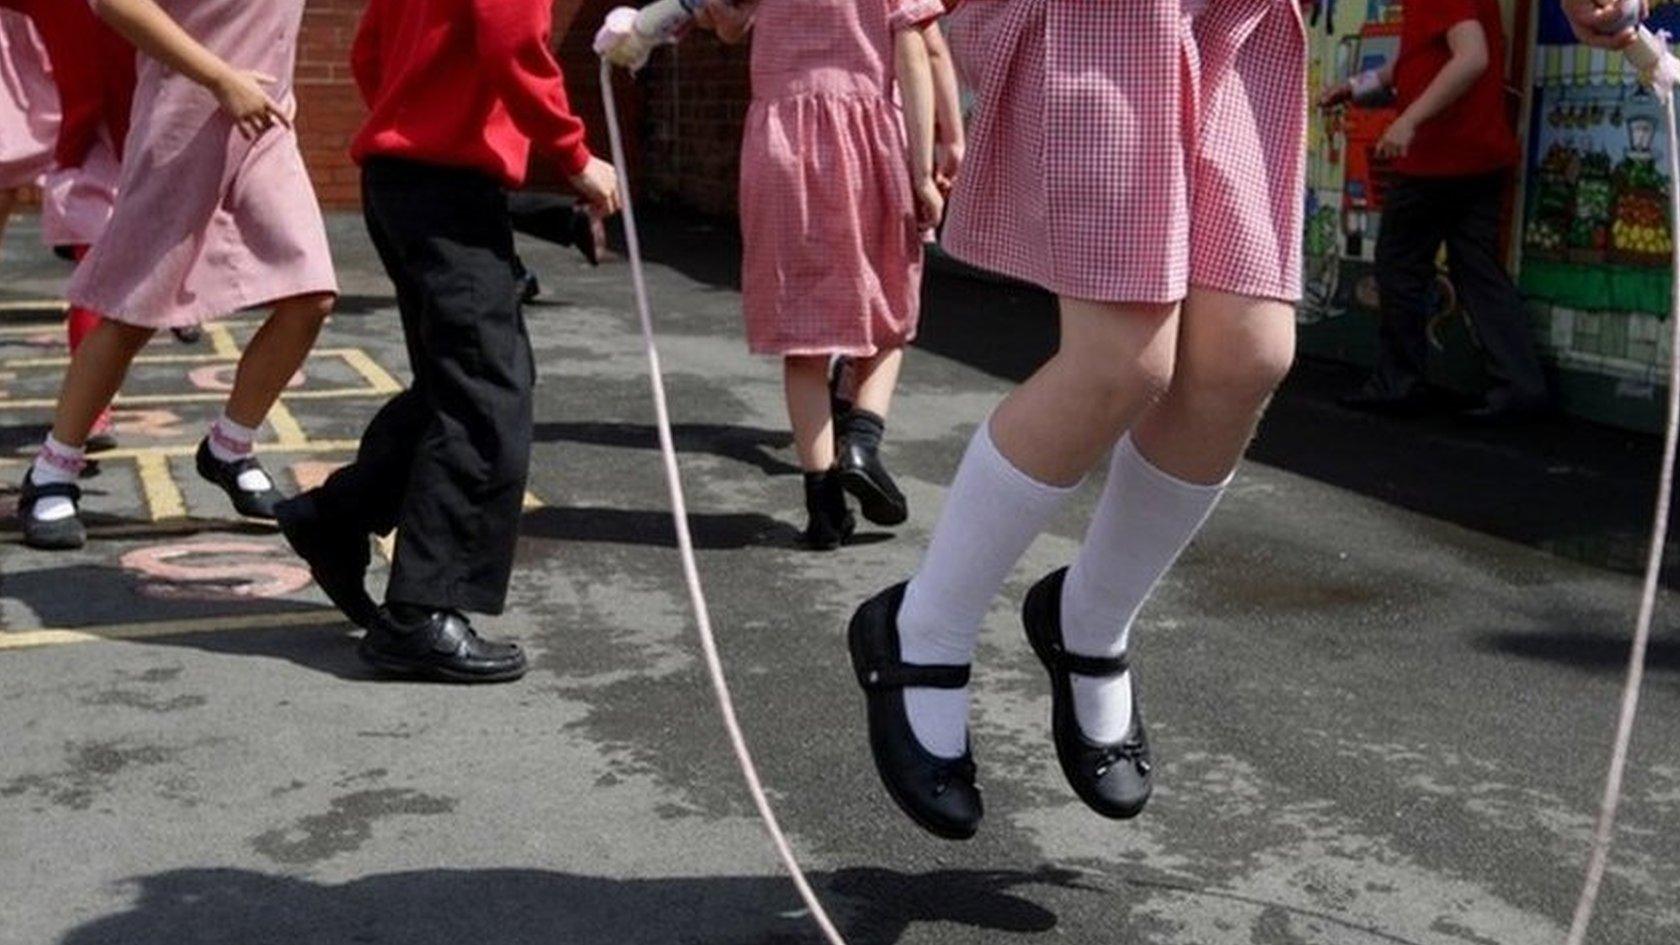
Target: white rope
685, 541
1604, 832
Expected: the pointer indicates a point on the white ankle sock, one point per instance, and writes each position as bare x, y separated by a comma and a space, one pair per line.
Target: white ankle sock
56, 463
1143, 521
231, 442
992, 513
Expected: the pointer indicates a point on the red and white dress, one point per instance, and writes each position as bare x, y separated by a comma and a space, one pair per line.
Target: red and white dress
832, 256
1125, 150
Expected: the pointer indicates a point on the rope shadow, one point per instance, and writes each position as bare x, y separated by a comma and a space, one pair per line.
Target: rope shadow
748, 445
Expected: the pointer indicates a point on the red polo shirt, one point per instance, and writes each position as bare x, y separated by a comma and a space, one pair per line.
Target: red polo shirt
464, 83
93, 68
1473, 135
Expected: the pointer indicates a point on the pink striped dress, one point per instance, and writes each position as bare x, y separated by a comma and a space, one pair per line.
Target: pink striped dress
833, 256
206, 222
28, 104
1125, 150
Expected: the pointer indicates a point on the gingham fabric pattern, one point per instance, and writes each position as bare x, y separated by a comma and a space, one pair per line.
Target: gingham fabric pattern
1127, 149
832, 259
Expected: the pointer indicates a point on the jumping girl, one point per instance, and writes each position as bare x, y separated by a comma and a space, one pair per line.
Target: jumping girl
832, 219
1143, 161
215, 214
29, 111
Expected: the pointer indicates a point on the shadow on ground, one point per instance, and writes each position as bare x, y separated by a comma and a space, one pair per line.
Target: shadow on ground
531, 907
751, 446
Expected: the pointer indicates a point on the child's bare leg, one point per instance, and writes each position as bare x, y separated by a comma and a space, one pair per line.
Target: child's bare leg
1233, 352
1164, 481
96, 373
805, 380
1114, 361
875, 379
274, 355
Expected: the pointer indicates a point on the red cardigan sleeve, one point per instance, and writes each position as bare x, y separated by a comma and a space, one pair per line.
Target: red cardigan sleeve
513, 38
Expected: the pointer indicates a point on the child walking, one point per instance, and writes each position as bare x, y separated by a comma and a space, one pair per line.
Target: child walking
215, 214
1143, 161
459, 93
831, 219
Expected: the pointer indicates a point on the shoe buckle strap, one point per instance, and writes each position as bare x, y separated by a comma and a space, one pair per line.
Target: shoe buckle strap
915, 676
1095, 667
33, 492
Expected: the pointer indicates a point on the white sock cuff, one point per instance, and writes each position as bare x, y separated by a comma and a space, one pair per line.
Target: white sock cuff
234, 430
61, 458
1128, 456
985, 450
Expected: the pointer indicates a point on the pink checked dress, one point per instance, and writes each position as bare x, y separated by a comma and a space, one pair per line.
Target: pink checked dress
28, 104
206, 222
833, 256
1127, 149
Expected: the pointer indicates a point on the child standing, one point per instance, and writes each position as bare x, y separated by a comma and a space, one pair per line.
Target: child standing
215, 214
29, 112
1144, 161
831, 218
459, 92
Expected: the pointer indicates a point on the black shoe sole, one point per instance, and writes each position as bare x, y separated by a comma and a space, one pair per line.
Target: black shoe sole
63, 535
1061, 708
361, 610
860, 660
873, 501
407, 669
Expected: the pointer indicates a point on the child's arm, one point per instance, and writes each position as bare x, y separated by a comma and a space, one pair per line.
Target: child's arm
950, 139
1468, 45
730, 21
240, 93
513, 48
915, 82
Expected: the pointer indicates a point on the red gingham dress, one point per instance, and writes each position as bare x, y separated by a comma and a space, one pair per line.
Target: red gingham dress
1127, 149
832, 255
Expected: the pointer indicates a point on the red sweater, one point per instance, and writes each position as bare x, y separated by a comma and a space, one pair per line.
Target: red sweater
94, 70
464, 83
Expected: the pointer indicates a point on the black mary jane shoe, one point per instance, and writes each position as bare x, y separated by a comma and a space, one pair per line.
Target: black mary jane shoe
1115, 780
864, 476
337, 555
443, 647
939, 794
830, 522
65, 534
226, 477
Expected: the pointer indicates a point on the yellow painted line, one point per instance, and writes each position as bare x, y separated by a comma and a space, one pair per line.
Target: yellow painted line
286, 426
30, 331
379, 379
58, 361
35, 305
207, 397
532, 502
387, 545
135, 453
52, 636
221, 341
163, 496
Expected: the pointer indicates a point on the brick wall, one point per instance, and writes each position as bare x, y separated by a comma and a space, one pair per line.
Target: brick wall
695, 101
330, 109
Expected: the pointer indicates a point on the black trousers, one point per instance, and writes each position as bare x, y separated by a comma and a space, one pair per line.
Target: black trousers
1419, 215
445, 461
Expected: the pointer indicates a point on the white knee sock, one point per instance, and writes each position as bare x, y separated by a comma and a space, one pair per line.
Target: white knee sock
1144, 519
992, 513
231, 442
56, 463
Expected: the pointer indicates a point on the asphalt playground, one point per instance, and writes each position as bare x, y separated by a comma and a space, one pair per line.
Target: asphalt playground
1381, 685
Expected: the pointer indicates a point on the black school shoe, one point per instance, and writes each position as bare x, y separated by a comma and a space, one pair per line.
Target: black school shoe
65, 534
864, 475
830, 522
443, 647
1113, 780
337, 555
226, 476
939, 794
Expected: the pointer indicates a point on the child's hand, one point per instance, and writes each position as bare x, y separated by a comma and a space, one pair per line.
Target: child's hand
253, 111
930, 203
1599, 22
947, 164
599, 186
1397, 140
1339, 94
